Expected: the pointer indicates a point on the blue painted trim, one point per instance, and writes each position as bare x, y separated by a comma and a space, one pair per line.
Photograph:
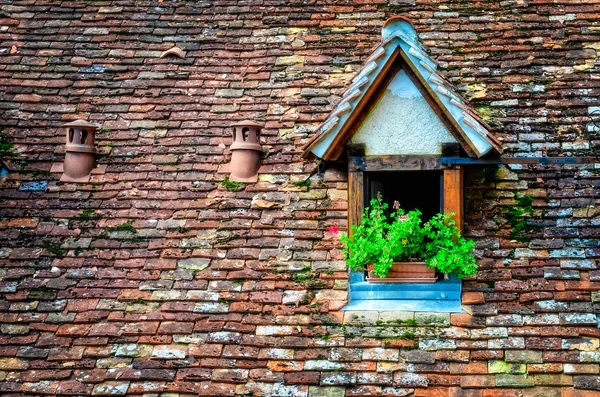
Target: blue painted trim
443, 295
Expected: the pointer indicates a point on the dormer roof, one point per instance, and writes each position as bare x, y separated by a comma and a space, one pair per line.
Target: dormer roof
401, 44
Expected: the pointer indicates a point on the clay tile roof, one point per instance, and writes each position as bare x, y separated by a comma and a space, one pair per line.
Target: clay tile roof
248, 123
400, 36
81, 123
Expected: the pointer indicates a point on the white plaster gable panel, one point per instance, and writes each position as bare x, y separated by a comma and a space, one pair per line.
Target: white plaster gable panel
402, 122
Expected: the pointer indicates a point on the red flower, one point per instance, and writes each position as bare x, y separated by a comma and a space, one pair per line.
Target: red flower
371, 268
334, 230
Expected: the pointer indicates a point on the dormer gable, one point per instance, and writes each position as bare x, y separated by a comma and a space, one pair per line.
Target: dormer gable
399, 104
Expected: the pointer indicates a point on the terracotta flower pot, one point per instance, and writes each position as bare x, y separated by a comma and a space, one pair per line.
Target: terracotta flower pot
406, 272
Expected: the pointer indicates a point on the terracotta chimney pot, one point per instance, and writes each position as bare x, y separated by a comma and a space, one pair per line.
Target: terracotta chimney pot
80, 150
245, 151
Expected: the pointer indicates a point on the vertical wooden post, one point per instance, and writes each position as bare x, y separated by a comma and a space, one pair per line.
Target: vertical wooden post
453, 194
356, 199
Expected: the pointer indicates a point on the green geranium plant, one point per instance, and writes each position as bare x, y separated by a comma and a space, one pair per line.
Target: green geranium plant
379, 240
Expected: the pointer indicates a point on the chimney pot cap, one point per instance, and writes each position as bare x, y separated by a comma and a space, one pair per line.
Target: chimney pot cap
248, 123
81, 123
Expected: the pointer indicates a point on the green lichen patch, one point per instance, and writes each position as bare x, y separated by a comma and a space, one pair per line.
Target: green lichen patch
126, 227
231, 186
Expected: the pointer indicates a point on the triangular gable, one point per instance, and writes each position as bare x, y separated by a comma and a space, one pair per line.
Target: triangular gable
401, 122
400, 43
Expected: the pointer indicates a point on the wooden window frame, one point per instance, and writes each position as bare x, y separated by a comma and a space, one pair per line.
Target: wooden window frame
453, 192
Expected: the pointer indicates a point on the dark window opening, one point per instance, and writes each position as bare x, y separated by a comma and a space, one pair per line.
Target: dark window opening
412, 189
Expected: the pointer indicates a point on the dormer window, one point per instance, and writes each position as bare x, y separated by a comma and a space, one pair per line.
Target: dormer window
395, 124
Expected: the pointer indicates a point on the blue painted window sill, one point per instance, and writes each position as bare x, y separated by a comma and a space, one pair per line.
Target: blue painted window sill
443, 296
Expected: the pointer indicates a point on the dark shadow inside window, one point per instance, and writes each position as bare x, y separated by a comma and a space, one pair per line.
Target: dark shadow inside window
412, 189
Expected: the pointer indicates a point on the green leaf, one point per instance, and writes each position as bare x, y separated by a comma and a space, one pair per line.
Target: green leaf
379, 240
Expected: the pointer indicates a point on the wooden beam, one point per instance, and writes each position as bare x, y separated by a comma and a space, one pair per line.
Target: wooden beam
453, 194
519, 160
433, 162
356, 198
395, 163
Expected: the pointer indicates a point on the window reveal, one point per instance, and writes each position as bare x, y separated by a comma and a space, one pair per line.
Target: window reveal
411, 189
